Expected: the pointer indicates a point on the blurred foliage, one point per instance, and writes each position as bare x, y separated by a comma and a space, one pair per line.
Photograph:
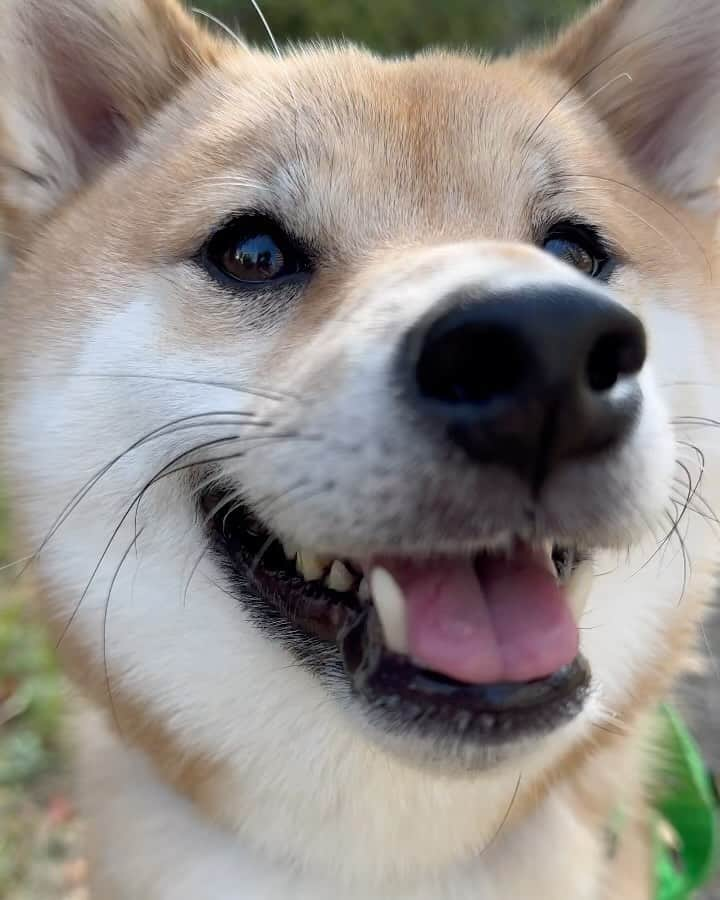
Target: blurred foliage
30, 694
29, 698
29, 686
395, 26
39, 838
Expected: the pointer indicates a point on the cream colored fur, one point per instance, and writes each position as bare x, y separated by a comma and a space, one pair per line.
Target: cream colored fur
210, 764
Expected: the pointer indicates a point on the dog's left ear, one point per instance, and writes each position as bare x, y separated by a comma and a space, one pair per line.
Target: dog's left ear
651, 69
79, 81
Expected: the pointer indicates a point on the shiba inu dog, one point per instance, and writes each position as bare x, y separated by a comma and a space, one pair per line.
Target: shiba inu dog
358, 420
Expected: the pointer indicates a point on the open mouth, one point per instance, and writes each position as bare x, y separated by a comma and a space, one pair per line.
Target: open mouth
491, 641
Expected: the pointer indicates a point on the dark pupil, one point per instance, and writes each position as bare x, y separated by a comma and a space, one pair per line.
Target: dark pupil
571, 253
256, 258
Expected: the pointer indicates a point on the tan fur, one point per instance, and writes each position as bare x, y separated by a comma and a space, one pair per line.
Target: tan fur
404, 172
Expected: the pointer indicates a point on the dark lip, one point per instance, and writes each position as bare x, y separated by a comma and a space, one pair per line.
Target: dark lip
495, 713
329, 621
262, 565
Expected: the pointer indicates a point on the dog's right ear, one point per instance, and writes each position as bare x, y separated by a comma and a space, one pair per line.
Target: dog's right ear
78, 81
651, 71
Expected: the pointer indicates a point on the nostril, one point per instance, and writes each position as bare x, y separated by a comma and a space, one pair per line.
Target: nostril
614, 356
473, 363
523, 379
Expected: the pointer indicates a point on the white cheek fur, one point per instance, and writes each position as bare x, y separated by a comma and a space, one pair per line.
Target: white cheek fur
190, 656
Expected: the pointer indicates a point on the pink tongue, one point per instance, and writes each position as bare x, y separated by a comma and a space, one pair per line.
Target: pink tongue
506, 620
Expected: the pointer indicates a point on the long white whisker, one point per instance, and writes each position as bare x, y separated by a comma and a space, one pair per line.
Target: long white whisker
607, 84
634, 213
17, 562
267, 27
220, 24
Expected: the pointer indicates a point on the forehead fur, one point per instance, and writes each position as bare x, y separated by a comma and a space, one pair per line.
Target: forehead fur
336, 141
353, 153
348, 143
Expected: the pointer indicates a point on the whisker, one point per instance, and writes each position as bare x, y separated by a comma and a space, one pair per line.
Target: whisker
17, 562
220, 24
261, 552
214, 477
106, 618
267, 28
237, 387
702, 421
607, 729
679, 499
236, 181
650, 199
264, 505
632, 212
166, 430
687, 565
686, 505
505, 818
196, 565
696, 450
589, 99
162, 473
165, 472
236, 501
693, 488
576, 84
292, 501
710, 514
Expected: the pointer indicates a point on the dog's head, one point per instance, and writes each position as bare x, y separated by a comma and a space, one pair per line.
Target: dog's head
341, 390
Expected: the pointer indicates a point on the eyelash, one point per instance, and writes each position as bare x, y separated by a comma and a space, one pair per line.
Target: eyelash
571, 236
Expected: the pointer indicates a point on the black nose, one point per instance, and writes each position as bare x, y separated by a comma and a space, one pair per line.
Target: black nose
530, 378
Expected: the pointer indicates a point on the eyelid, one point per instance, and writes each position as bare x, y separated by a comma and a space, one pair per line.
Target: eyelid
610, 248
244, 226
263, 216
566, 226
588, 239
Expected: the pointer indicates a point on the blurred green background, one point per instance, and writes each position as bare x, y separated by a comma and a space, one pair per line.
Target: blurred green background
396, 26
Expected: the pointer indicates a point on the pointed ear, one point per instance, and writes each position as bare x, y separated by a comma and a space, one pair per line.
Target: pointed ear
651, 69
78, 80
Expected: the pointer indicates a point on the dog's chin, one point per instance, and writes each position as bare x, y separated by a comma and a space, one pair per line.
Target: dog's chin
344, 623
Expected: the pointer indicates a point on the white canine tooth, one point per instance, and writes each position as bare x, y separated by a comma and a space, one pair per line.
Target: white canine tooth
309, 565
578, 589
364, 590
390, 605
340, 577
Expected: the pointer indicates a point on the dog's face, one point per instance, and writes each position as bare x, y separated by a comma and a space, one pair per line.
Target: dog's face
340, 395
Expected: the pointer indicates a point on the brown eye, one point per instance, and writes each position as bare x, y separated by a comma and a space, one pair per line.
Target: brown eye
578, 246
252, 250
